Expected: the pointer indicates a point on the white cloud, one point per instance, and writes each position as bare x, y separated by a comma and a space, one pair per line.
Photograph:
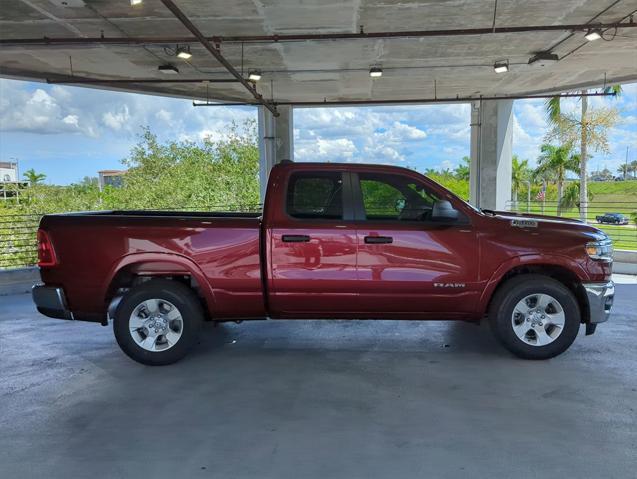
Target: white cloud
36, 111
374, 134
117, 120
376, 153
323, 149
532, 115
164, 115
42, 99
400, 132
71, 120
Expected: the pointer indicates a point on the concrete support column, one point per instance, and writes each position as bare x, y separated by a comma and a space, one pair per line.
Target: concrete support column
276, 141
491, 153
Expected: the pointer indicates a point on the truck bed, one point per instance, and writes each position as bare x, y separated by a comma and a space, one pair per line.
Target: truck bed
220, 250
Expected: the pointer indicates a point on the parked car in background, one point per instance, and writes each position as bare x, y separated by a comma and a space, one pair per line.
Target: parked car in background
334, 241
612, 218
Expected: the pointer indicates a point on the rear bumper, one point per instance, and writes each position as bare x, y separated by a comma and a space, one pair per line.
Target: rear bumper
51, 301
600, 300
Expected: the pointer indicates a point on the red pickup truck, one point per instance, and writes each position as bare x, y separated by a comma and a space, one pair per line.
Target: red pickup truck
334, 241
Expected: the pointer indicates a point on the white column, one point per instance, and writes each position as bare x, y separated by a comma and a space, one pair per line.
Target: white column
491, 153
266, 147
276, 141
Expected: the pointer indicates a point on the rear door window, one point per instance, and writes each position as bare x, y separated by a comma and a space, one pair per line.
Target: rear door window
315, 195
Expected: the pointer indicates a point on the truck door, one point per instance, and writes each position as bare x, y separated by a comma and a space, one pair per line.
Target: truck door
312, 262
408, 263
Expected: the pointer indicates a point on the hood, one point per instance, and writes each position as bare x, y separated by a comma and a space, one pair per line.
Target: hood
511, 215
547, 224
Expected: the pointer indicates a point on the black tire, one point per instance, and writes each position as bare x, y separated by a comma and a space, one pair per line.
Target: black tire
513, 291
179, 295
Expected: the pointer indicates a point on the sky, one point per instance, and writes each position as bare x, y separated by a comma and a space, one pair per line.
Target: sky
69, 132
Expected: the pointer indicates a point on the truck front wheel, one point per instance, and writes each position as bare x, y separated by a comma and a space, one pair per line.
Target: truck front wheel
157, 322
534, 316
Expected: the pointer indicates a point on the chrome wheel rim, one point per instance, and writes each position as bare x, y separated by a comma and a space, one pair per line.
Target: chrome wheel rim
538, 319
156, 325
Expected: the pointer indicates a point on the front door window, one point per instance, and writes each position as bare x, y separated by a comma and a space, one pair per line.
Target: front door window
395, 198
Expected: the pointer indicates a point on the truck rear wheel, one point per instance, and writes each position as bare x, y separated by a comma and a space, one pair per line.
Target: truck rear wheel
535, 317
157, 322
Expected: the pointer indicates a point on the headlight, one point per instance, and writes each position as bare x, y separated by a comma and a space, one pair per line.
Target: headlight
600, 250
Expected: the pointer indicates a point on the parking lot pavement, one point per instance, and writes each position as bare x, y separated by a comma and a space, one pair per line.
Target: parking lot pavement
352, 399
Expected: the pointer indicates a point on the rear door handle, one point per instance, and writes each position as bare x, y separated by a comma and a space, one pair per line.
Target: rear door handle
295, 238
378, 239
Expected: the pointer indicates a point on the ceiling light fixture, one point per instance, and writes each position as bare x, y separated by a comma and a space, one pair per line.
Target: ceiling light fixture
134, 3
375, 72
168, 69
593, 35
501, 67
184, 53
543, 58
254, 75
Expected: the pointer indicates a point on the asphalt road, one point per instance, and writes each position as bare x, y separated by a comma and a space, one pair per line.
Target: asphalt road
316, 399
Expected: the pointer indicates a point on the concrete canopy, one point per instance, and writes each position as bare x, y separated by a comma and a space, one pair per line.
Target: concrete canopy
318, 70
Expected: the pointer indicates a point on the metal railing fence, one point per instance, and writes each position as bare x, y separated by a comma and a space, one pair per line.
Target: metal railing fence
624, 236
18, 244
18, 233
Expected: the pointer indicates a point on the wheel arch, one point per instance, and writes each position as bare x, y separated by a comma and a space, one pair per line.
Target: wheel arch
564, 270
139, 267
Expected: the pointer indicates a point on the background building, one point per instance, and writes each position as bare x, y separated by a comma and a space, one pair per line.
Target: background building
10, 183
110, 178
8, 171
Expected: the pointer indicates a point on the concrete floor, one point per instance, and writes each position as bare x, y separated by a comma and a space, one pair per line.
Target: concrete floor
316, 399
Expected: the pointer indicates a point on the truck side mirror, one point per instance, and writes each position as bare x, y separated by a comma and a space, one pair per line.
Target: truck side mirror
443, 211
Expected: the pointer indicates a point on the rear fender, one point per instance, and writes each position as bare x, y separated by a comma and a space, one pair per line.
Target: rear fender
159, 264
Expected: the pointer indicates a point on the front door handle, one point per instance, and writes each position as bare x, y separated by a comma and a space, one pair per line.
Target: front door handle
295, 238
378, 239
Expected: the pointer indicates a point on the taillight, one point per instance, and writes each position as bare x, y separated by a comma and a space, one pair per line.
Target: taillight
46, 253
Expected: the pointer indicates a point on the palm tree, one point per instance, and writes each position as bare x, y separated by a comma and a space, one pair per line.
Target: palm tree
633, 168
571, 197
462, 171
555, 162
623, 170
587, 129
519, 174
33, 178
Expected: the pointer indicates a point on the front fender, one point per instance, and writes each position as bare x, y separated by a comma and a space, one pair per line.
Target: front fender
560, 261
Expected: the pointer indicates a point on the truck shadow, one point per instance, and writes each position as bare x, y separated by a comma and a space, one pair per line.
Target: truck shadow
397, 337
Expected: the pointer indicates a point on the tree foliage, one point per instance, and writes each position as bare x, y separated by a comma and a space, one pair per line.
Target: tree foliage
571, 197
222, 174
553, 164
568, 128
33, 178
520, 174
462, 171
207, 175
589, 128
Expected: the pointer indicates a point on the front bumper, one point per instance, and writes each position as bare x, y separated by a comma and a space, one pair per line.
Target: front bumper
51, 301
600, 300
